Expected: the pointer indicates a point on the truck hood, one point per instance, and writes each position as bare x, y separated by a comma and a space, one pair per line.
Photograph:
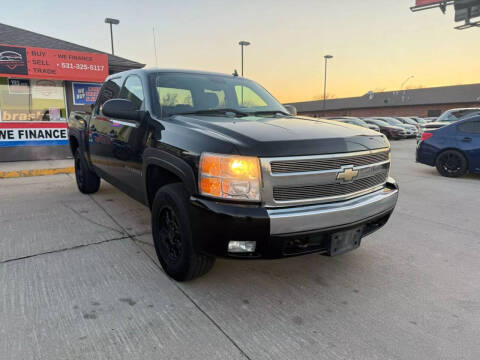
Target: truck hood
286, 136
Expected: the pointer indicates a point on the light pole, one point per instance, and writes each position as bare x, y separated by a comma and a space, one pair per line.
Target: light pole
406, 80
325, 83
242, 44
112, 22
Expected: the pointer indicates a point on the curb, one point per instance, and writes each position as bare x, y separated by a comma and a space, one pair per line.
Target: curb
35, 172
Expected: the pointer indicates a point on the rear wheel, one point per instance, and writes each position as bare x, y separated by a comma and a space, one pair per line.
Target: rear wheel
87, 181
451, 163
172, 235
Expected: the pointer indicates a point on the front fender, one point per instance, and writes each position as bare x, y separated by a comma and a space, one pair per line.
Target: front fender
171, 163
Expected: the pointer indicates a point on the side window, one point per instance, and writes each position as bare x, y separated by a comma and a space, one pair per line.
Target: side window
246, 97
470, 127
475, 126
110, 90
133, 90
466, 127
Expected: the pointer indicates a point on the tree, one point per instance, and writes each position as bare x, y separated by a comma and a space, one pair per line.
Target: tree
320, 97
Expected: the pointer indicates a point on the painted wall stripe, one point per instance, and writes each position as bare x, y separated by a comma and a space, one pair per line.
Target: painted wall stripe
35, 172
33, 125
33, 143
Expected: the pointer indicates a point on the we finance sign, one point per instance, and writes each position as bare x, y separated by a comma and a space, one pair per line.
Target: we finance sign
33, 134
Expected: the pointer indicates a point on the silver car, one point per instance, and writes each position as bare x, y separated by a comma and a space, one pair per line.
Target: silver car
355, 121
410, 130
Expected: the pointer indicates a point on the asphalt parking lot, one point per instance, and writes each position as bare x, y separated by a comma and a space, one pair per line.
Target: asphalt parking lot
79, 279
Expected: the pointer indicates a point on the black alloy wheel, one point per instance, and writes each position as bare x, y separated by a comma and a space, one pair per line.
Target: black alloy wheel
451, 163
169, 234
79, 173
87, 181
175, 242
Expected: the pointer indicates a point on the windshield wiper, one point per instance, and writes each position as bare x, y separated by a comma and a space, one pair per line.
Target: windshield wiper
214, 111
271, 112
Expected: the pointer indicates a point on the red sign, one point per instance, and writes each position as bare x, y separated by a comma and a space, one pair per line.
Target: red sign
427, 2
39, 63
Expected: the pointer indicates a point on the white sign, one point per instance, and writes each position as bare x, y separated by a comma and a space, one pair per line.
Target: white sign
33, 134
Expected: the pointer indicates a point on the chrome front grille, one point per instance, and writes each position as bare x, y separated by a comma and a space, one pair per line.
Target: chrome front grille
289, 166
300, 180
286, 193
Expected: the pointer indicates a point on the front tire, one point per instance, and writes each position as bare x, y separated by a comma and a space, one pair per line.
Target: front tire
87, 181
451, 163
172, 235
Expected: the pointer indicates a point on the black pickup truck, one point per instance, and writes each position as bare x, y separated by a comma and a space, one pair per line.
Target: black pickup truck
228, 171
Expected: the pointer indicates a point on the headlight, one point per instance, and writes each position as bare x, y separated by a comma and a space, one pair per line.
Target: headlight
229, 177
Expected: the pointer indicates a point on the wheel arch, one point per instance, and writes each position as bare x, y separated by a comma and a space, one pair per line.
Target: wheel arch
161, 168
454, 149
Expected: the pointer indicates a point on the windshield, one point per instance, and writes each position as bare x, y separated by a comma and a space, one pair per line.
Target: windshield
393, 121
378, 122
409, 121
360, 122
452, 116
419, 120
206, 94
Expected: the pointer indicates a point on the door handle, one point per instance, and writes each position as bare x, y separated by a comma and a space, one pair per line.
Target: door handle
467, 139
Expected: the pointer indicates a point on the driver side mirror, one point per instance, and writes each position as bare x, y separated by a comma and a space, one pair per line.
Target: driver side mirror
122, 109
291, 109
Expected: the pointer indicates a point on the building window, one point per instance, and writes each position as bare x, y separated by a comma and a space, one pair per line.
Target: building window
434, 113
31, 100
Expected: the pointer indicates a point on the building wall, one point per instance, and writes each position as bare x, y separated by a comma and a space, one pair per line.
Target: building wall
422, 111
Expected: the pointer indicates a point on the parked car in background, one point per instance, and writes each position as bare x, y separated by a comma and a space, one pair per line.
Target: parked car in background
430, 119
391, 132
453, 149
448, 117
419, 120
410, 130
356, 121
408, 121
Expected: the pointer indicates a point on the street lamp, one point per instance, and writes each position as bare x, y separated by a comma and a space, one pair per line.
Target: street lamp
325, 83
406, 80
242, 44
112, 22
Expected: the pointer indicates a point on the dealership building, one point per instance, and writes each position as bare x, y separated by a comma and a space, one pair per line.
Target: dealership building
42, 80
418, 102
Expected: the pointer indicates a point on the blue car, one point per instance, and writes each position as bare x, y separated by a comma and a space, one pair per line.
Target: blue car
453, 149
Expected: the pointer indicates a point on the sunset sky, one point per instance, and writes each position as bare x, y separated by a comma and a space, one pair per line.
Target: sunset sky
376, 44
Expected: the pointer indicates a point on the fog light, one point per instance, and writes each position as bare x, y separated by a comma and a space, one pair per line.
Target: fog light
241, 246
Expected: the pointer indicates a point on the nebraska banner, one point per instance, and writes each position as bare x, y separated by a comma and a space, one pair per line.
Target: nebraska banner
427, 2
33, 134
29, 62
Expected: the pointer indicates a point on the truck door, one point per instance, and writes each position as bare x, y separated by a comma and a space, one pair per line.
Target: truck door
128, 140
468, 140
100, 131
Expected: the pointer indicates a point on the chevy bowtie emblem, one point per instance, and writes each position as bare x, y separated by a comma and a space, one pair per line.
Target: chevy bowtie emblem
347, 174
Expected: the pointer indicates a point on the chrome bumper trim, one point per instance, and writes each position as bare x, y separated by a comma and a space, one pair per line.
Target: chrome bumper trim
318, 217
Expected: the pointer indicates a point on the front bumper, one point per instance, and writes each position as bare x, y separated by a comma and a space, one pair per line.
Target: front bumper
311, 218
282, 232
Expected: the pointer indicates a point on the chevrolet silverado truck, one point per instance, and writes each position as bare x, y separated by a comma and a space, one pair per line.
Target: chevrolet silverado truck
228, 171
